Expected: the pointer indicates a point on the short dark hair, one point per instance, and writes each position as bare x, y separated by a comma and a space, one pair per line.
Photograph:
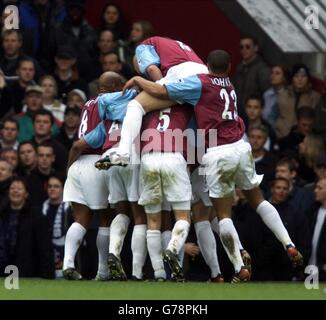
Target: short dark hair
7, 32
12, 120
287, 162
25, 59
45, 144
57, 176
256, 97
218, 61
251, 37
27, 142
272, 184
306, 113
43, 112
19, 179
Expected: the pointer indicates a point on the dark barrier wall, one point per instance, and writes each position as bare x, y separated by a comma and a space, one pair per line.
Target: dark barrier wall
198, 23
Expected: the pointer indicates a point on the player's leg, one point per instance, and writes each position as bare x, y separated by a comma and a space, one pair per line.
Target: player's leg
102, 243
206, 239
132, 123
118, 231
138, 241
246, 258
74, 238
272, 219
154, 241
248, 181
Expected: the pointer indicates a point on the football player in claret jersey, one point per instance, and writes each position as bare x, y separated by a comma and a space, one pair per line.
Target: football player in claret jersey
164, 176
85, 186
228, 159
163, 60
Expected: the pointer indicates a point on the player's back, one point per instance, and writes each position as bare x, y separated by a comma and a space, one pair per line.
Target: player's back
217, 109
89, 119
172, 52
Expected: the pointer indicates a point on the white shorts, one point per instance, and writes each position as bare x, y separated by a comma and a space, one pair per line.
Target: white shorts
230, 165
181, 71
199, 188
123, 183
85, 184
164, 176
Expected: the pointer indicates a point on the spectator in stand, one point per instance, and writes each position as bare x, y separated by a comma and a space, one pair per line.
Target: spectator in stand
69, 130
50, 92
305, 122
27, 158
24, 236
58, 215
318, 241
279, 80
277, 266
77, 98
320, 120
6, 99
6, 173
299, 197
38, 179
76, 32
37, 18
298, 94
110, 62
140, 31
12, 42
43, 122
11, 156
265, 161
105, 44
26, 75
253, 117
310, 150
252, 75
66, 73
9, 134
112, 20
33, 99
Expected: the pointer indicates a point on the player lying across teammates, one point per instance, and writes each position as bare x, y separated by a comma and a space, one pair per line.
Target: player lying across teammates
184, 85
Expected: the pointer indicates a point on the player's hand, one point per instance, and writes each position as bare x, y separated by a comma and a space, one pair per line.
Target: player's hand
2, 80
129, 84
192, 249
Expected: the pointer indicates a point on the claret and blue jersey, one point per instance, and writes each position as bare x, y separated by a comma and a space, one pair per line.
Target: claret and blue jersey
106, 107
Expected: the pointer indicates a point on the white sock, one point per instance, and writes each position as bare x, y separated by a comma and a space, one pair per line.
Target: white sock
273, 221
207, 245
131, 126
74, 238
216, 229
102, 243
230, 240
179, 235
166, 237
154, 245
139, 249
181, 255
119, 228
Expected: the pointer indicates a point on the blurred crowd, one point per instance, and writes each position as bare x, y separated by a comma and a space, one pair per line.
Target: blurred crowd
50, 67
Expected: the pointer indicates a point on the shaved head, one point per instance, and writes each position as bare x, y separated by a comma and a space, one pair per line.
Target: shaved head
110, 82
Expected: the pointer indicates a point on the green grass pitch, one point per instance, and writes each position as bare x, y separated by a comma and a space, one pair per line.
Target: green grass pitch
92, 290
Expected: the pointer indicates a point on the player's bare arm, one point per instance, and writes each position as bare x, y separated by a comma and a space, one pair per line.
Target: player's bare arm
154, 89
154, 73
76, 150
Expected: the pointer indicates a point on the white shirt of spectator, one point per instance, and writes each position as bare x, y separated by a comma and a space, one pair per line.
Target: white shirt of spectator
319, 224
